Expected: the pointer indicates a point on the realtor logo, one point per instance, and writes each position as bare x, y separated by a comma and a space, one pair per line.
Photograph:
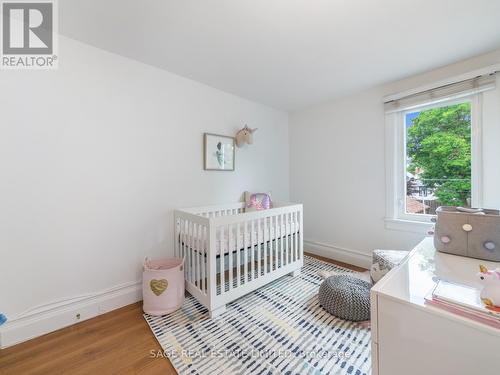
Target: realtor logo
28, 35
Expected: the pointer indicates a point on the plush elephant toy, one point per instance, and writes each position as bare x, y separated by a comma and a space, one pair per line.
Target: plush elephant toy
245, 135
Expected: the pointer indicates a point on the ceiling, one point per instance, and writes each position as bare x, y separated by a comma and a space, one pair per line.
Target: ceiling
288, 54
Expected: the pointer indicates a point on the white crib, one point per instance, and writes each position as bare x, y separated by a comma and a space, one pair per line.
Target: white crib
229, 252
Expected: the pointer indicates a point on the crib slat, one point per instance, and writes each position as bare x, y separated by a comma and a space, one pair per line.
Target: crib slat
181, 239
271, 257
259, 248
246, 249
186, 248
203, 259
252, 241
275, 238
271, 245
184, 239
296, 247
238, 267
230, 255
198, 251
287, 250
299, 234
285, 238
276, 243
186, 245
264, 243
221, 258
198, 255
292, 243
282, 261
188, 251
191, 252
198, 258
293, 239
289, 238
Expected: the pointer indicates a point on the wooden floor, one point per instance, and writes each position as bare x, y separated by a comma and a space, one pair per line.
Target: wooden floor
119, 342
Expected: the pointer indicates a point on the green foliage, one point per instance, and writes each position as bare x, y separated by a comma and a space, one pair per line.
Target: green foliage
439, 144
454, 193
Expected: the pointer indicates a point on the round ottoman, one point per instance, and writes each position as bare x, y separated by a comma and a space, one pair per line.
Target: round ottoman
346, 297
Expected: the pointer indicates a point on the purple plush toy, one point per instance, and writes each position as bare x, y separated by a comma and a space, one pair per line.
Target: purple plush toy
259, 201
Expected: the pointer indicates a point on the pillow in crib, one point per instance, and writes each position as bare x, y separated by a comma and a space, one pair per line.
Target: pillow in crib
257, 201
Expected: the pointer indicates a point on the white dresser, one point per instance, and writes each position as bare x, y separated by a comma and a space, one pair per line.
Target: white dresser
410, 337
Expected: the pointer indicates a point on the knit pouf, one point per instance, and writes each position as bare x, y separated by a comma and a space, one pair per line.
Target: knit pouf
346, 297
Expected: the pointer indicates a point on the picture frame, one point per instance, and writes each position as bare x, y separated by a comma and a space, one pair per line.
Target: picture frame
218, 152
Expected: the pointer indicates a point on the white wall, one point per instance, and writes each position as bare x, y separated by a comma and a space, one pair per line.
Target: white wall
338, 167
93, 159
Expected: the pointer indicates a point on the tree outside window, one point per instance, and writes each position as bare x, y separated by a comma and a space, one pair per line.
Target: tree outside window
438, 149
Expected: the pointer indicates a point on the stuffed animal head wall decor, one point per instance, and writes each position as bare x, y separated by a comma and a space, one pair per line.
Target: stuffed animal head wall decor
245, 135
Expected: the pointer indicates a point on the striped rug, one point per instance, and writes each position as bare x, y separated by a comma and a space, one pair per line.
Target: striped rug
277, 329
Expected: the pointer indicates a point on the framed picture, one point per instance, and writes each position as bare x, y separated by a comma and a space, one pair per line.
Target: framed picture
219, 152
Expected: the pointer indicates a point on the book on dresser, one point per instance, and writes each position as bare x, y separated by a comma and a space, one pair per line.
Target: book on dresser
462, 300
414, 333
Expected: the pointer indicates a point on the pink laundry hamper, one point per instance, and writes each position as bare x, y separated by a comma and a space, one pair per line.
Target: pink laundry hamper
162, 285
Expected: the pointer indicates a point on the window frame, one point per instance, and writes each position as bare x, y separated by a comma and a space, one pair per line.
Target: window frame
396, 215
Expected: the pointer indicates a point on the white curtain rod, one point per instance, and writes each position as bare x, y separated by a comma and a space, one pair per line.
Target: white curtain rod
489, 70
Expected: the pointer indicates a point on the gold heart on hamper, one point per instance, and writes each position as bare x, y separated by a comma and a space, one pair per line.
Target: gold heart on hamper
158, 286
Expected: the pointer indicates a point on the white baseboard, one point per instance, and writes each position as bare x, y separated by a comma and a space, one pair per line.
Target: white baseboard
354, 257
60, 314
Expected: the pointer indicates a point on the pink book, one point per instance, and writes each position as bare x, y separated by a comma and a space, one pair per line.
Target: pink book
487, 320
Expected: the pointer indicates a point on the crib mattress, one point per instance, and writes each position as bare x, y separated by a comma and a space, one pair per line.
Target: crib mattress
231, 244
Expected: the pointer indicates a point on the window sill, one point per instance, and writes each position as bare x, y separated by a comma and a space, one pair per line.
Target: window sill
420, 227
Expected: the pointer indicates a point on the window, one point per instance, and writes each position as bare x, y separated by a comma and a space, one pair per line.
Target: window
438, 158
434, 152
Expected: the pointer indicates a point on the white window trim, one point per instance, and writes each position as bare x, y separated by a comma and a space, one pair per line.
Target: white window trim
395, 157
